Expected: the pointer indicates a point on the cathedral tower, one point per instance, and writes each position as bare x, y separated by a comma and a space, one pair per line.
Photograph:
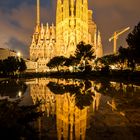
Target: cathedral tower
74, 23
71, 25
42, 48
37, 16
38, 12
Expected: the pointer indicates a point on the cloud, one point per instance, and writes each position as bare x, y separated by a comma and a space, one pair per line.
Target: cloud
17, 26
112, 15
14, 44
18, 20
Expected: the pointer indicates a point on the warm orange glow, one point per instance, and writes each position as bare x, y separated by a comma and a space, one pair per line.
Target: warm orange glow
74, 24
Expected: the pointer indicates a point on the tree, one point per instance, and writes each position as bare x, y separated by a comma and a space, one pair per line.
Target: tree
133, 41
21, 65
82, 92
71, 61
1, 66
107, 60
10, 65
84, 53
122, 57
57, 61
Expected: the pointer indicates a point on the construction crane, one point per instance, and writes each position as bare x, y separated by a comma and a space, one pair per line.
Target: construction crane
115, 37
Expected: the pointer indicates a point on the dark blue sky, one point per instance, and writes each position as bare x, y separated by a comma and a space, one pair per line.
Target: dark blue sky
16, 3
17, 20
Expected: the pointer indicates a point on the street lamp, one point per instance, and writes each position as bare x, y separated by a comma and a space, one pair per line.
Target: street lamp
19, 54
19, 94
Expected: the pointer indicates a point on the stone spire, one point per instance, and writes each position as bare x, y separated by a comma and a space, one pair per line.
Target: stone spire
99, 38
47, 33
33, 40
95, 39
59, 12
66, 9
99, 49
53, 31
85, 11
42, 31
72, 23
37, 28
72, 8
78, 8
38, 13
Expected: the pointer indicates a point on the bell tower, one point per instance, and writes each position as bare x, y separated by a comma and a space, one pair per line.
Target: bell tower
71, 25
38, 16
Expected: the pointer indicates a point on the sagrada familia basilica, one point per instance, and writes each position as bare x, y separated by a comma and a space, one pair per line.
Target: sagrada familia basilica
74, 23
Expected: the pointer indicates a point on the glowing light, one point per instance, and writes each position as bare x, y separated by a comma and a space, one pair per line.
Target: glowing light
19, 94
71, 68
19, 54
113, 67
61, 40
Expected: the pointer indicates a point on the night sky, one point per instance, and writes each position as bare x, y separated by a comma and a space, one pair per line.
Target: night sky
17, 20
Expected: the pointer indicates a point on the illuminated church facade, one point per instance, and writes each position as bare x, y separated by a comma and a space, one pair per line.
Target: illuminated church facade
74, 23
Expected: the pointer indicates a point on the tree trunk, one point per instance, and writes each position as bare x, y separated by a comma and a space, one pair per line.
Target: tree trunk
57, 68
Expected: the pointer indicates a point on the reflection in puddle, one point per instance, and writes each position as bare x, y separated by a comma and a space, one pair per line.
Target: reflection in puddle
12, 89
74, 105
79, 109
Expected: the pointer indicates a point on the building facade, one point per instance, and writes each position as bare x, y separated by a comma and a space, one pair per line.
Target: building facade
5, 53
74, 23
